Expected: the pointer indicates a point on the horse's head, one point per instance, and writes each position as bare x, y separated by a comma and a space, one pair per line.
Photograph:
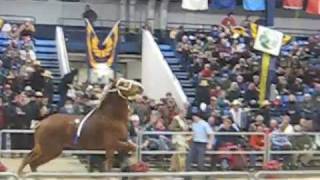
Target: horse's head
127, 89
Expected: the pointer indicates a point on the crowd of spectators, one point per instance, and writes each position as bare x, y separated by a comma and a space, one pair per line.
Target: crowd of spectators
26, 88
225, 69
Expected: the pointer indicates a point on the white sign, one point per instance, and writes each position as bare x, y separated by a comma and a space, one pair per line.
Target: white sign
268, 41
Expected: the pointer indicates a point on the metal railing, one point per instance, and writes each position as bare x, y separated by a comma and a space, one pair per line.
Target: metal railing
99, 22
163, 175
17, 18
8, 175
266, 152
261, 175
211, 152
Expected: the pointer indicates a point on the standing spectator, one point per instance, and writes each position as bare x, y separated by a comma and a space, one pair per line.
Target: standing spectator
37, 80
202, 139
179, 141
238, 115
27, 29
229, 20
64, 85
90, 14
257, 143
48, 86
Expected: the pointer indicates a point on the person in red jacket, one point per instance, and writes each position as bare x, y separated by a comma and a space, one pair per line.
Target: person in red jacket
257, 144
229, 20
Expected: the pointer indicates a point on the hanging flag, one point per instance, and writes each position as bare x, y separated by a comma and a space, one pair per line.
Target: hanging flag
195, 5
223, 4
292, 4
264, 77
313, 7
105, 53
254, 5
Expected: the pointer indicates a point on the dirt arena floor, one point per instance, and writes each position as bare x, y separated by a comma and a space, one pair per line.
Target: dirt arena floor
72, 165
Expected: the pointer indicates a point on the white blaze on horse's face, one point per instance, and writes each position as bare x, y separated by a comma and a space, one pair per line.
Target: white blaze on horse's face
129, 88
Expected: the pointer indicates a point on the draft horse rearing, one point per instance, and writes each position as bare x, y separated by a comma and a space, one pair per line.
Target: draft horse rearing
104, 128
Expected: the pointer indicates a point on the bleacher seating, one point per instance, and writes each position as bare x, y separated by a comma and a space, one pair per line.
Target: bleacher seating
178, 70
47, 55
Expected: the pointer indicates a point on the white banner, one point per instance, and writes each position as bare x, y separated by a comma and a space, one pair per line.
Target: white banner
157, 77
268, 41
195, 5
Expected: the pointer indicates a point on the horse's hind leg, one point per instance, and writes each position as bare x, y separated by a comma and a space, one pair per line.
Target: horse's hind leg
33, 154
44, 157
109, 161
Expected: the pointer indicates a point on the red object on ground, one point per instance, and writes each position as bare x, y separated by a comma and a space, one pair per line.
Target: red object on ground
139, 167
3, 168
273, 165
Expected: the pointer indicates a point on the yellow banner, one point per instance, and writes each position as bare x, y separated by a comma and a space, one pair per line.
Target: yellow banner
104, 53
254, 31
266, 58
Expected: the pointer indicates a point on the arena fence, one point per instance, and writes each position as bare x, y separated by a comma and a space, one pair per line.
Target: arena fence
261, 175
266, 153
162, 175
8, 175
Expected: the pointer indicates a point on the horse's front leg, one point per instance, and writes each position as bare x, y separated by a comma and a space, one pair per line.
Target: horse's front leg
126, 146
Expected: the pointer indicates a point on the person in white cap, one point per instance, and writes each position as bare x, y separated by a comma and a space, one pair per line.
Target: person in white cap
238, 114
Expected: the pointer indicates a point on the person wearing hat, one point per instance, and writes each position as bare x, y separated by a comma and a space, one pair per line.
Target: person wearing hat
238, 115
48, 85
202, 139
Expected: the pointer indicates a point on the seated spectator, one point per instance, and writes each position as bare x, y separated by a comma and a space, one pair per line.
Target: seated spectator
293, 110
251, 94
206, 72
203, 92
258, 123
257, 143
227, 126
286, 125
233, 92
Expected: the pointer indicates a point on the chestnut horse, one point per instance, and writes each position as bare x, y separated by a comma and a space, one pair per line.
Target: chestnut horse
105, 128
